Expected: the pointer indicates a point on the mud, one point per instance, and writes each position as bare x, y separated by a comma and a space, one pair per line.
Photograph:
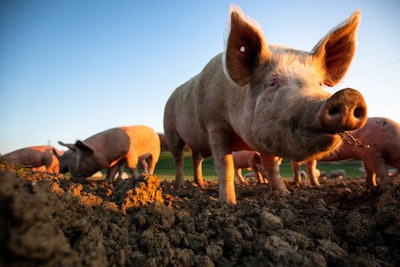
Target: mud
46, 220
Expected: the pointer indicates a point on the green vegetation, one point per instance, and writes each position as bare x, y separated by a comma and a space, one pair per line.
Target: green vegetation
165, 168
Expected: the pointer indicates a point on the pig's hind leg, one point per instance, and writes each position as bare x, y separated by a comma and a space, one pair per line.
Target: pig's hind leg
175, 145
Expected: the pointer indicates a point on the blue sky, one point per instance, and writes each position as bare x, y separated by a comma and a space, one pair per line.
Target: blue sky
70, 69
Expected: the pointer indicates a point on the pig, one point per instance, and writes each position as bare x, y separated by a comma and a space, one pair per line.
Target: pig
265, 98
39, 158
245, 159
392, 172
378, 145
106, 149
338, 174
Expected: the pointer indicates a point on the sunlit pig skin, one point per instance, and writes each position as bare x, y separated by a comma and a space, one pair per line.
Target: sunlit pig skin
266, 98
105, 149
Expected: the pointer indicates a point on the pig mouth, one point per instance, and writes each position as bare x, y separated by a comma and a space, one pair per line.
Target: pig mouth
312, 133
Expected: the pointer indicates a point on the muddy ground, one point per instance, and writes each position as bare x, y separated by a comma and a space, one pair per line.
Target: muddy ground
47, 220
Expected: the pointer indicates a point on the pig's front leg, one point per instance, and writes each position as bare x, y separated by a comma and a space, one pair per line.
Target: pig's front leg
311, 167
111, 172
197, 160
296, 172
238, 173
271, 166
226, 175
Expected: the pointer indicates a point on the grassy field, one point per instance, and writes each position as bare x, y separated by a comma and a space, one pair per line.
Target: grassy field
165, 168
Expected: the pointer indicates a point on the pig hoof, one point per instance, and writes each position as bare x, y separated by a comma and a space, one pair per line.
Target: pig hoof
281, 192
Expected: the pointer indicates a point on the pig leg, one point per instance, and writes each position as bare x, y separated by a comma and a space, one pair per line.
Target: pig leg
225, 168
271, 165
311, 167
176, 149
238, 173
257, 172
153, 159
145, 167
376, 166
132, 163
111, 172
370, 178
296, 172
197, 160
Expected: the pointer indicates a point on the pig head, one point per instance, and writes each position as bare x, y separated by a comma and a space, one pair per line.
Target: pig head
267, 98
106, 149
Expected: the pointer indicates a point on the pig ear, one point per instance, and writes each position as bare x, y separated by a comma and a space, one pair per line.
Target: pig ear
256, 158
245, 48
82, 146
70, 146
56, 153
337, 49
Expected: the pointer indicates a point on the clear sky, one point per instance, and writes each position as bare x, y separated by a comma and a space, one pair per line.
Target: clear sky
70, 69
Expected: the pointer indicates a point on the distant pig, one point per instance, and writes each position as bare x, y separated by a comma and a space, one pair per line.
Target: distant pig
265, 98
379, 145
245, 159
105, 149
36, 157
338, 174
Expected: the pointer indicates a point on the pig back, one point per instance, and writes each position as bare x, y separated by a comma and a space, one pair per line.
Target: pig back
207, 103
143, 140
109, 145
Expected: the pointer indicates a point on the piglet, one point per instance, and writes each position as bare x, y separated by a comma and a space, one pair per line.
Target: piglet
106, 149
266, 98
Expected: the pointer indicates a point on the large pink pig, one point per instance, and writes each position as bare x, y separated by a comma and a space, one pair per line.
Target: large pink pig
245, 159
266, 98
105, 149
35, 157
379, 144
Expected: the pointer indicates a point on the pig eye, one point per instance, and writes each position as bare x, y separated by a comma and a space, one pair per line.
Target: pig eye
273, 84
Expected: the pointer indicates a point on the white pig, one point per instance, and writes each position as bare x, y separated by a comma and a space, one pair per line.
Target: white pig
266, 98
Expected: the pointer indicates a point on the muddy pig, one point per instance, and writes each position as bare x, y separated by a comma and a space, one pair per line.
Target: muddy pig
105, 149
245, 159
36, 157
266, 98
378, 145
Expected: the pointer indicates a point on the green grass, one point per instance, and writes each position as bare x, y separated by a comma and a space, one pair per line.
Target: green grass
165, 169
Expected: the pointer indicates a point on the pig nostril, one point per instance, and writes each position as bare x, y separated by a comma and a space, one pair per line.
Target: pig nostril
334, 110
359, 112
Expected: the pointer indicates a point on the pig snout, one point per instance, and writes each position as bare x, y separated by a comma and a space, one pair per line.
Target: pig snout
344, 111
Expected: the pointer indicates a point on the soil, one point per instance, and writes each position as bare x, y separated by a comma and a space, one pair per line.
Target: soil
48, 220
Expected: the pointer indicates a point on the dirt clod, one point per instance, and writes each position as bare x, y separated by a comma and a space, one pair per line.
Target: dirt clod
47, 220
